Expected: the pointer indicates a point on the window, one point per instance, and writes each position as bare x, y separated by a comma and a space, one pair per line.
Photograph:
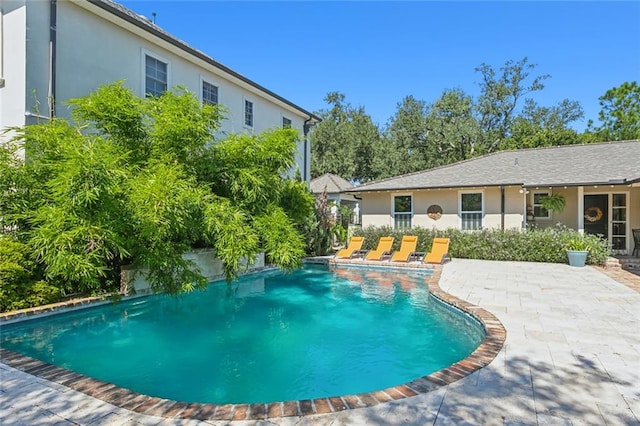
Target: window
540, 212
248, 113
402, 211
286, 123
471, 211
156, 76
619, 223
209, 93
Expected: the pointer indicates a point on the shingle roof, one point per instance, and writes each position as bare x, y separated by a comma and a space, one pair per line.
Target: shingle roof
145, 24
332, 183
569, 165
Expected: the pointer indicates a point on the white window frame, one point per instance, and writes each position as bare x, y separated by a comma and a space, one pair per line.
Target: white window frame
209, 81
393, 209
460, 212
244, 113
143, 60
290, 122
628, 234
532, 194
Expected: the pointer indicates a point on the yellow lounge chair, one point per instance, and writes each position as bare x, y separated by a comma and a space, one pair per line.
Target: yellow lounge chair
439, 251
384, 247
407, 249
355, 244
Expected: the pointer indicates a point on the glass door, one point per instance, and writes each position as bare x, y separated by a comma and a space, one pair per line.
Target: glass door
619, 223
595, 215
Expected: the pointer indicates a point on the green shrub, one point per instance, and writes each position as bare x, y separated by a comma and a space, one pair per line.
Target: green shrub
535, 245
20, 283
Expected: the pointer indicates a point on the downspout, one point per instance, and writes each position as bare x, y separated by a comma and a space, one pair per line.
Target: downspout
502, 204
1, 48
53, 22
308, 124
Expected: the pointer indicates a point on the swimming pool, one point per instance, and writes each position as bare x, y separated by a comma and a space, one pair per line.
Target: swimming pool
269, 337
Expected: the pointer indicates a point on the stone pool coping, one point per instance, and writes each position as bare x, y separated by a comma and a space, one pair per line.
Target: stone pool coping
143, 404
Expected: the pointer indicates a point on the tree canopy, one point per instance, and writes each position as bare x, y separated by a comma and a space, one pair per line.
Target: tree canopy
140, 181
344, 141
620, 113
457, 126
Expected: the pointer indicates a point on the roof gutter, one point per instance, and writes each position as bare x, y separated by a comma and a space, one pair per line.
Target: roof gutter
524, 185
606, 182
419, 188
116, 10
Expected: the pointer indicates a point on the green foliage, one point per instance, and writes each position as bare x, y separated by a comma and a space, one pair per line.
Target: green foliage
554, 202
405, 148
76, 231
537, 245
343, 142
500, 95
283, 245
454, 131
229, 232
620, 113
248, 169
579, 243
454, 127
545, 126
180, 127
117, 115
21, 285
316, 229
297, 201
141, 181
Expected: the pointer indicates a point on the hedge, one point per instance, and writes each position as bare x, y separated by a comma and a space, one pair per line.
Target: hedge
535, 245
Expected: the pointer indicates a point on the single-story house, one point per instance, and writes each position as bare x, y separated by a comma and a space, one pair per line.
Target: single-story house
336, 189
599, 182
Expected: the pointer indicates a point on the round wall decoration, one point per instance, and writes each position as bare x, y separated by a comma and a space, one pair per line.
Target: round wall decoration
593, 214
434, 212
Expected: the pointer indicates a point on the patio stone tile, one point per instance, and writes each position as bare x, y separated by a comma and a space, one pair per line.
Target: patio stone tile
617, 415
551, 420
571, 356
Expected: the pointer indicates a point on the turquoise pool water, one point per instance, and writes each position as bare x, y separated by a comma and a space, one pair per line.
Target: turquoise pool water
269, 337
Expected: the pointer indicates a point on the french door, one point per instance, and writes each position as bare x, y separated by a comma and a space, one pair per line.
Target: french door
607, 215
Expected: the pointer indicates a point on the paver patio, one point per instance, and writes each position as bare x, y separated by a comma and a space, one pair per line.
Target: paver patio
572, 357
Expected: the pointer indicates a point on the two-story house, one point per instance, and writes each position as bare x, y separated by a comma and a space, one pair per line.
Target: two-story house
55, 50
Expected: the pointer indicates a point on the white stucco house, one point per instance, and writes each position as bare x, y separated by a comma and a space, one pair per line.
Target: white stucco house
55, 50
599, 182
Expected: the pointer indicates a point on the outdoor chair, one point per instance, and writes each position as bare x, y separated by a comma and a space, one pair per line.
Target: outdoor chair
439, 251
354, 246
384, 247
406, 250
636, 242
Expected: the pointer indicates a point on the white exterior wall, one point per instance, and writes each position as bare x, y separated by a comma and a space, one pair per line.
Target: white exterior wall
95, 47
377, 208
14, 51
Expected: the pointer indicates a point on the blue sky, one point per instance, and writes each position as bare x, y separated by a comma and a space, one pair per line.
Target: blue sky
376, 53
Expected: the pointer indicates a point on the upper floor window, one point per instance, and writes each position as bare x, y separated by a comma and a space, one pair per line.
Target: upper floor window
402, 211
248, 113
286, 123
471, 210
156, 76
209, 93
539, 212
